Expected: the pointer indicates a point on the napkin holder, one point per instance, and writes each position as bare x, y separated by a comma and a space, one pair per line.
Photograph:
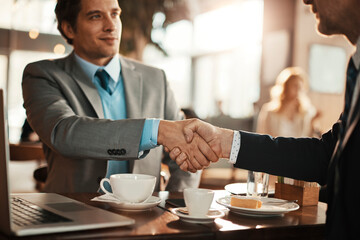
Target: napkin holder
305, 195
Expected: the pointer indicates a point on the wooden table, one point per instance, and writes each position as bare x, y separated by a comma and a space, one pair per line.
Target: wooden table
159, 223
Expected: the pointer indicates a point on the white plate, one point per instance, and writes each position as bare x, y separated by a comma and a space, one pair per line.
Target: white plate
240, 188
236, 188
270, 207
150, 203
209, 218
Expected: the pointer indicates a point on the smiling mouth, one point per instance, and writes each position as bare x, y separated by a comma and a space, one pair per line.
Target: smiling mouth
109, 38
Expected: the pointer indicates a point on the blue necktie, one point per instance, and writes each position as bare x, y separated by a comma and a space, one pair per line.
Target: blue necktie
113, 166
104, 79
351, 76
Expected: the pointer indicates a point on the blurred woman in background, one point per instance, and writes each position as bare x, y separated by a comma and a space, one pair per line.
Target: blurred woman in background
290, 112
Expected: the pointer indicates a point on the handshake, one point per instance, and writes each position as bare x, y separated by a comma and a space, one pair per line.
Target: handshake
194, 144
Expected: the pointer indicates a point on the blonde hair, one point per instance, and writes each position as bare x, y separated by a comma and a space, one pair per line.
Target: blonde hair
278, 91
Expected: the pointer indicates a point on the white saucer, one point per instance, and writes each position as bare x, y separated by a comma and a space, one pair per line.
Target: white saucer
127, 206
270, 207
240, 189
209, 218
236, 188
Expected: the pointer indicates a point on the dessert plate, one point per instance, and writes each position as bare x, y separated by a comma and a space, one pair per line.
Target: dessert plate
270, 207
182, 213
127, 206
241, 188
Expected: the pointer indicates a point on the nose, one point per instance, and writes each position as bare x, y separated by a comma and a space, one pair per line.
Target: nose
109, 24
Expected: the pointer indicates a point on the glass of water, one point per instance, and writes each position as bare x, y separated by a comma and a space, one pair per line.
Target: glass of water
257, 184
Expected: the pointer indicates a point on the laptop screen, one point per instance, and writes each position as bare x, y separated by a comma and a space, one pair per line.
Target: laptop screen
4, 159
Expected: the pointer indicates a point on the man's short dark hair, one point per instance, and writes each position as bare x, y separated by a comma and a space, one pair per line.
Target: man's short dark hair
67, 10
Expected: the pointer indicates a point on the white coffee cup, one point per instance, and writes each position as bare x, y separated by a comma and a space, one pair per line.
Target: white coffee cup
134, 188
198, 201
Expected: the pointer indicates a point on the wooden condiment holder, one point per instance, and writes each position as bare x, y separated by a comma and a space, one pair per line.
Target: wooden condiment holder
305, 195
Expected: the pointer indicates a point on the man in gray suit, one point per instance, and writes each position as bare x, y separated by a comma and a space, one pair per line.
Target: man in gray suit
95, 105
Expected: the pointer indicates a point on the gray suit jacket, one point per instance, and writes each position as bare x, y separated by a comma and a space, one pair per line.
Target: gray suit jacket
63, 106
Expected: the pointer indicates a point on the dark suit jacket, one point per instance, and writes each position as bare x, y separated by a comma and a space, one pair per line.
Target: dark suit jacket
324, 160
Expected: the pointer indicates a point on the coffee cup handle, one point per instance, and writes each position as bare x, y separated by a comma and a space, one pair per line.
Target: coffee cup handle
102, 185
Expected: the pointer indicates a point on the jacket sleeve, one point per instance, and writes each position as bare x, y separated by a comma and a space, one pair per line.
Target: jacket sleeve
299, 158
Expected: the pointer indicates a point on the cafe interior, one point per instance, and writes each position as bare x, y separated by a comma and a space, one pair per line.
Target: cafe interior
221, 59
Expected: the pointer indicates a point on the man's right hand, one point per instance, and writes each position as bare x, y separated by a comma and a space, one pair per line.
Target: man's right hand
197, 153
219, 139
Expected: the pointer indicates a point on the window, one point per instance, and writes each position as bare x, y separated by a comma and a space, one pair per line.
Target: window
177, 42
323, 58
30, 14
216, 57
227, 59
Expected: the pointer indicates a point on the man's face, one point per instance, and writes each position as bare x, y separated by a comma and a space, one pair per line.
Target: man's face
335, 16
98, 30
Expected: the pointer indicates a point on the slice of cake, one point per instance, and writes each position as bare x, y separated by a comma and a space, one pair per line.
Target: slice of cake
238, 201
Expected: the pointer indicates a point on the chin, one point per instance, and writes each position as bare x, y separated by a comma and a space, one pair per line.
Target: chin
109, 53
326, 31
326, 27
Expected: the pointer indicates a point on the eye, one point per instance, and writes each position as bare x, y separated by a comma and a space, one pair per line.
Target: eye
96, 16
116, 14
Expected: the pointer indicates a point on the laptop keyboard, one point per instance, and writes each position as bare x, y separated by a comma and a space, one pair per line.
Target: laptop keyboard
25, 213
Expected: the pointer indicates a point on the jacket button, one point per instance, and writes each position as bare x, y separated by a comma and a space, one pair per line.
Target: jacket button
122, 151
109, 152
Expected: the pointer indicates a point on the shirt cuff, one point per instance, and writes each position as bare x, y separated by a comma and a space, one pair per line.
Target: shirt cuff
149, 135
235, 147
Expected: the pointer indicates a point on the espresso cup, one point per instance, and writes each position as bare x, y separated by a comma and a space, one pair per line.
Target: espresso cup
198, 201
133, 188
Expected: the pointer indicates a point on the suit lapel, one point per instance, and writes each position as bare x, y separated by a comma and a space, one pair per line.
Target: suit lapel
85, 84
352, 120
334, 168
352, 111
354, 115
339, 148
133, 85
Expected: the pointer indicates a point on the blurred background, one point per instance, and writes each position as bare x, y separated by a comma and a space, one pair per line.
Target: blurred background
221, 57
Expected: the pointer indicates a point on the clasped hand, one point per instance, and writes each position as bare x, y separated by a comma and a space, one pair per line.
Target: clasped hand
194, 144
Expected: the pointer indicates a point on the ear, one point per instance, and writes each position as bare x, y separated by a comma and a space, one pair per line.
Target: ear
67, 29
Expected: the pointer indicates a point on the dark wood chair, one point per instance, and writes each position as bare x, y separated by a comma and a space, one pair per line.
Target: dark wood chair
26, 152
31, 152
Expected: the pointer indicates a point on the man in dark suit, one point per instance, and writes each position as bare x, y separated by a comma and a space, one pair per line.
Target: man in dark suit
333, 160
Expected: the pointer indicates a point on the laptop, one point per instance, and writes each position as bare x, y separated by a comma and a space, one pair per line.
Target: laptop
42, 213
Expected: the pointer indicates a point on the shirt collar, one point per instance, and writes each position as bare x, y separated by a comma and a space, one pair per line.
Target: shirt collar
113, 68
356, 56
